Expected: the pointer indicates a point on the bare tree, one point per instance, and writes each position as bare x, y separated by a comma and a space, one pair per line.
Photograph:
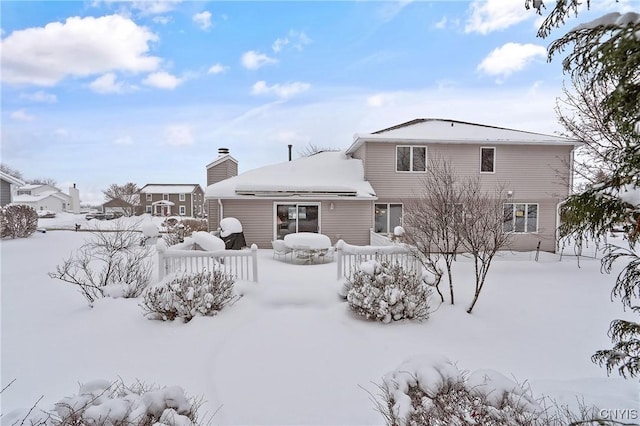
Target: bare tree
580, 114
10, 171
312, 149
433, 219
482, 234
129, 194
42, 181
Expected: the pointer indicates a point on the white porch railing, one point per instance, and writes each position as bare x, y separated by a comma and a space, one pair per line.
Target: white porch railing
349, 257
242, 264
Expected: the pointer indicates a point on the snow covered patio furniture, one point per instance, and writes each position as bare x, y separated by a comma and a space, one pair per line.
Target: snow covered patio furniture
308, 246
280, 249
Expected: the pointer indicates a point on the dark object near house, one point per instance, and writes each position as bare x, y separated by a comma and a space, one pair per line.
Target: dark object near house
234, 241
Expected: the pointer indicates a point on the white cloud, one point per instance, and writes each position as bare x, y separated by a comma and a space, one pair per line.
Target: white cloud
297, 39
162, 80
78, 47
178, 135
511, 57
494, 15
22, 115
155, 7
380, 100
40, 96
281, 91
203, 19
217, 69
61, 132
253, 60
162, 20
107, 84
123, 140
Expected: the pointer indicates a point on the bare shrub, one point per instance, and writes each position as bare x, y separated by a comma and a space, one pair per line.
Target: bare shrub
176, 231
104, 403
18, 221
109, 264
384, 292
186, 296
194, 225
432, 391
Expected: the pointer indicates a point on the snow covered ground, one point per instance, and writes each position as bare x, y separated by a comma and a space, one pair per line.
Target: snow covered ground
290, 351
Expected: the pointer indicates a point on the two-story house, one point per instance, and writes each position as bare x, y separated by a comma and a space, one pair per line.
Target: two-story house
361, 191
8, 187
48, 197
172, 199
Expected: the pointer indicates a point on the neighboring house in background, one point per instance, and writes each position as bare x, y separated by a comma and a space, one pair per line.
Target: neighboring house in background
358, 193
48, 197
118, 205
8, 187
172, 199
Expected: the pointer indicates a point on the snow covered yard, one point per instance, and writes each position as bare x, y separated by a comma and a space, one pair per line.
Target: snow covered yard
290, 351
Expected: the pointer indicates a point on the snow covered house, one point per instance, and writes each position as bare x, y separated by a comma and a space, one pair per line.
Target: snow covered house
172, 199
8, 187
360, 192
48, 197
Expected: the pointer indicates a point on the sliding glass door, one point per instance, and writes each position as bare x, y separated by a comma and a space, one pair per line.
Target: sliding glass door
296, 217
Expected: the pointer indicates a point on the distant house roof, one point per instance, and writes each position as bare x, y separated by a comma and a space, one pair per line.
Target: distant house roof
322, 175
434, 130
117, 202
170, 188
39, 197
11, 179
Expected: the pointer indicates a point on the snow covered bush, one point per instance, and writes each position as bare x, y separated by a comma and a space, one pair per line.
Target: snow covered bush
384, 292
18, 221
430, 390
104, 403
109, 264
177, 231
186, 296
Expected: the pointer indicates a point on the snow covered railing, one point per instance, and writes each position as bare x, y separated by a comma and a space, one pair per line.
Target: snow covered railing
349, 257
242, 264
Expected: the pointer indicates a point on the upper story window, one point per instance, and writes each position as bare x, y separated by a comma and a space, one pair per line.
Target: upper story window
24, 192
165, 196
487, 160
411, 158
183, 197
149, 197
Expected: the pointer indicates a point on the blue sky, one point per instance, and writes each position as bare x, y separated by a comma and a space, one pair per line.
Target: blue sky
103, 92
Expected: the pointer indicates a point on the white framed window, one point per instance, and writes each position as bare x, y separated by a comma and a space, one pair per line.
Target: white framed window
183, 210
411, 158
520, 217
148, 209
165, 197
182, 197
487, 159
387, 217
149, 197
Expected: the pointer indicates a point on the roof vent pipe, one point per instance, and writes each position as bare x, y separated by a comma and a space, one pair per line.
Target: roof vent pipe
290, 146
223, 151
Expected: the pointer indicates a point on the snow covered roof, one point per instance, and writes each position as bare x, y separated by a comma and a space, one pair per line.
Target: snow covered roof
11, 179
434, 130
39, 197
177, 188
322, 175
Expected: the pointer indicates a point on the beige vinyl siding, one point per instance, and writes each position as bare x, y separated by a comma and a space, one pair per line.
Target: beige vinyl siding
546, 235
221, 171
349, 220
530, 171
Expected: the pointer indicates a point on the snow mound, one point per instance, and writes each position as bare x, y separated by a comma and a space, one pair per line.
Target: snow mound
230, 225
